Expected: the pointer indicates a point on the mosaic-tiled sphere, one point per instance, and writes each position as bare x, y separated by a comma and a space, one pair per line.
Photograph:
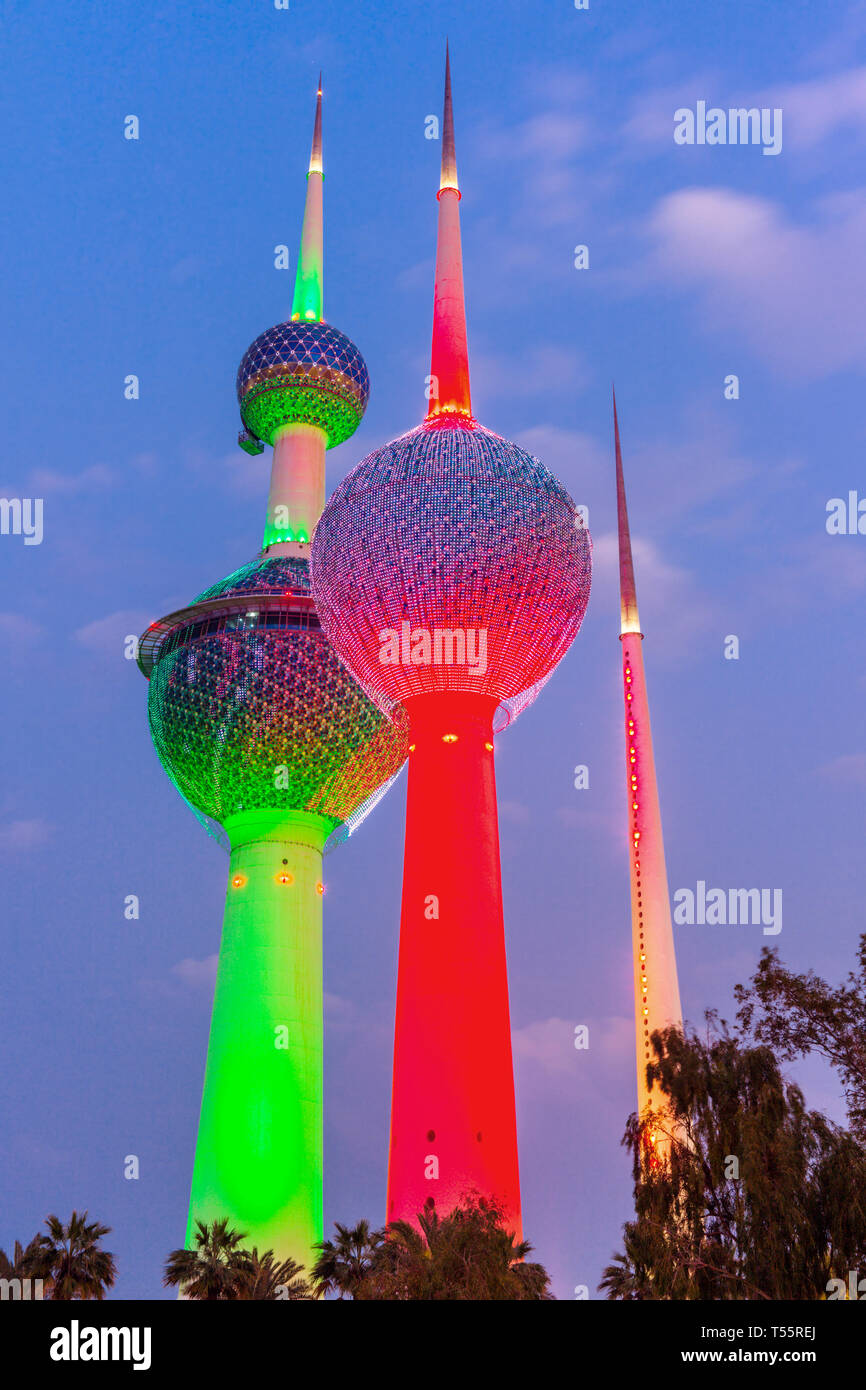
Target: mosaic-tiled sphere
303, 373
451, 559
250, 708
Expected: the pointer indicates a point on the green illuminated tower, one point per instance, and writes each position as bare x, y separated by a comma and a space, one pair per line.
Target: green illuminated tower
280, 753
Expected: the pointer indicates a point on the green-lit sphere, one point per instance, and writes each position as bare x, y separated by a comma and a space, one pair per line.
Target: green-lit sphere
250, 709
303, 373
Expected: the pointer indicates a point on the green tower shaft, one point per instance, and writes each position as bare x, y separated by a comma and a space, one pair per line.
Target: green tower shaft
258, 1158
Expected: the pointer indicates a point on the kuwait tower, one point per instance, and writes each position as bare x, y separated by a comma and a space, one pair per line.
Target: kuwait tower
278, 750
451, 571
656, 990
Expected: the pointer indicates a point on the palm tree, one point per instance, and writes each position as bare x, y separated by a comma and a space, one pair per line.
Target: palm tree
467, 1255
344, 1263
263, 1277
23, 1263
208, 1271
69, 1259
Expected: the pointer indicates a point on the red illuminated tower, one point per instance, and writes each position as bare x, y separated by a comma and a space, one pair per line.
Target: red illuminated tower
451, 572
656, 990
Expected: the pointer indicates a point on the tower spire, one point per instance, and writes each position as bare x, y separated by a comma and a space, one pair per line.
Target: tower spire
449, 361
307, 301
629, 619
656, 986
448, 176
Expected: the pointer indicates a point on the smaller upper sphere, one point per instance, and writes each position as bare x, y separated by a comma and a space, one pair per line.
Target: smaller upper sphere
303, 373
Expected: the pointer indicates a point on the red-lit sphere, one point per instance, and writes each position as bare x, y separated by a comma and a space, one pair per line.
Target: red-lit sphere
451, 560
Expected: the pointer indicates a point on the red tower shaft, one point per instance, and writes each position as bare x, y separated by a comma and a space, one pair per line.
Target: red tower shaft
453, 1126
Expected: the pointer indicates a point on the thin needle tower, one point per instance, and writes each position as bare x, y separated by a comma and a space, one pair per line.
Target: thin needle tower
656, 989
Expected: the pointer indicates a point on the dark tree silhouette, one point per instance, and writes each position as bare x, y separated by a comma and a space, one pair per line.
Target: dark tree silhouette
760, 1198
795, 1014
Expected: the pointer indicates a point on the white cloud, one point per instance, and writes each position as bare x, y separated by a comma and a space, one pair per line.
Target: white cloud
106, 635
850, 767
819, 108
794, 290
199, 974
97, 476
813, 111
21, 835
18, 631
542, 369
671, 603
549, 1043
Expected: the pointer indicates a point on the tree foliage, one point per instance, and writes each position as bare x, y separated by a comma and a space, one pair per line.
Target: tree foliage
796, 1014
759, 1198
68, 1258
465, 1255
220, 1268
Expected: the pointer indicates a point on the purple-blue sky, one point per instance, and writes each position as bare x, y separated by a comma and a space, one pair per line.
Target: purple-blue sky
155, 257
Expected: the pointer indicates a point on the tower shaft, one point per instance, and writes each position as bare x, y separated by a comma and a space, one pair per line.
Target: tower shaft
297, 491
656, 987
453, 1127
258, 1158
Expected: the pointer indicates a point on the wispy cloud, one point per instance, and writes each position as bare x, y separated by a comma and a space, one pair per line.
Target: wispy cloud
16, 631
94, 478
794, 289
18, 836
671, 599
850, 767
542, 369
821, 107
106, 636
549, 1044
813, 110
199, 974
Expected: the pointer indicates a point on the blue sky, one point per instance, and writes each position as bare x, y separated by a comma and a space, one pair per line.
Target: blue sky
155, 257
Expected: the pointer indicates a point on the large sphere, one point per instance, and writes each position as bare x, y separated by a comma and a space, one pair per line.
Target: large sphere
451, 530
250, 708
303, 373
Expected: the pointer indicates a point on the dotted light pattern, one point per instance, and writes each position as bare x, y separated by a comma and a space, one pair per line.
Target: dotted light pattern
634, 791
303, 373
452, 528
253, 718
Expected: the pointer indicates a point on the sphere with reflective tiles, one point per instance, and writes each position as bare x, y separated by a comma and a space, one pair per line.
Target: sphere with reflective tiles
302, 373
451, 560
250, 708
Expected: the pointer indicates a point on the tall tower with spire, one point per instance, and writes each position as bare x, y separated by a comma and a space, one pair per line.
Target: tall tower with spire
656, 989
451, 571
279, 751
